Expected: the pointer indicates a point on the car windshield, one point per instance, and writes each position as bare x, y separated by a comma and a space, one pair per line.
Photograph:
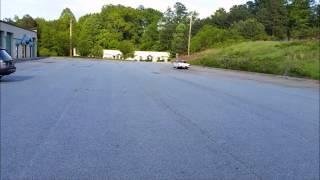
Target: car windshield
5, 56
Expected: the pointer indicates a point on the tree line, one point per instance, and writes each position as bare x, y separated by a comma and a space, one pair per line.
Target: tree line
129, 29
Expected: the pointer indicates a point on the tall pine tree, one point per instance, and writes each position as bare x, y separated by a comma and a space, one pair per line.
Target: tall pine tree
300, 17
273, 15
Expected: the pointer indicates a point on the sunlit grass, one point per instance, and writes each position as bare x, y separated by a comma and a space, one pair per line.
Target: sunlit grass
297, 58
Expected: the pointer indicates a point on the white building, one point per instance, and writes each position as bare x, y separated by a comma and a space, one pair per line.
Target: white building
153, 56
19, 42
112, 54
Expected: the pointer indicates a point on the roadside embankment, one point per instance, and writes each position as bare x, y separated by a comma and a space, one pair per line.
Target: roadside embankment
296, 58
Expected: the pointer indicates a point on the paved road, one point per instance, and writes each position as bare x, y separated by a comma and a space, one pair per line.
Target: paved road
77, 119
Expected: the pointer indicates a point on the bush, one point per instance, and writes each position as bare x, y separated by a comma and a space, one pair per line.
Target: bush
305, 33
250, 29
46, 52
210, 36
97, 51
127, 49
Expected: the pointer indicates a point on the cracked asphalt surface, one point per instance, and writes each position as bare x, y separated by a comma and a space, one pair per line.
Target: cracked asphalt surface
81, 119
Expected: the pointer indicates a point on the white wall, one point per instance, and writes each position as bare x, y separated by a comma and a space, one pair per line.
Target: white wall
143, 55
112, 54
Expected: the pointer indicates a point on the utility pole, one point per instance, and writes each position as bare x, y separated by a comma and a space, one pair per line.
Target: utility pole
190, 29
71, 38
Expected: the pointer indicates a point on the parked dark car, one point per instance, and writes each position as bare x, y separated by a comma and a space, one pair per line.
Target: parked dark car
6, 63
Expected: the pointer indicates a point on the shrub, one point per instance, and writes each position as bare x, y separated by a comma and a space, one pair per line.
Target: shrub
46, 52
250, 29
127, 48
210, 36
97, 51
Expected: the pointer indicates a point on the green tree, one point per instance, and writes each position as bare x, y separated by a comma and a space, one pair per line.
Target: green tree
220, 19
109, 40
149, 16
9, 20
67, 15
300, 14
315, 17
122, 19
46, 37
127, 48
180, 13
54, 36
239, 13
273, 15
63, 32
179, 42
89, 27
208, 37
26, 22
150, 38
168, 26
250, 29
96, 51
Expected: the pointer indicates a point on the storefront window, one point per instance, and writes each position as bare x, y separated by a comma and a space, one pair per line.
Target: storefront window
9, 43
1, 37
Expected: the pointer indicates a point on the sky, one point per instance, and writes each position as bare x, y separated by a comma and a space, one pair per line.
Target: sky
51, 9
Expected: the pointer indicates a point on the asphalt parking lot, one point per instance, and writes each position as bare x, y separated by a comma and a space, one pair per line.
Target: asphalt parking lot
81, 119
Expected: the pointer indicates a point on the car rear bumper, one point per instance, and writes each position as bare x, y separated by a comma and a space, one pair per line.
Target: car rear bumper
7, 70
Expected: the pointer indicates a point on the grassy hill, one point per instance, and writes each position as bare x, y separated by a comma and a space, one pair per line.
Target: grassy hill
296, 58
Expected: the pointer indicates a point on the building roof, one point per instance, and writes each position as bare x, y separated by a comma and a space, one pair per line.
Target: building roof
33, 29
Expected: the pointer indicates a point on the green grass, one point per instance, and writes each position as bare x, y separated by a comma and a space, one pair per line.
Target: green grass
296, 58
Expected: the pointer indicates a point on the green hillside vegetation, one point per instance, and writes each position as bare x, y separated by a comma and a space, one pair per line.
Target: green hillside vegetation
297, 58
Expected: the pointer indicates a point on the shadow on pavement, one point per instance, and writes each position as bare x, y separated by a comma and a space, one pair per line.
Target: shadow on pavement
14, 78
